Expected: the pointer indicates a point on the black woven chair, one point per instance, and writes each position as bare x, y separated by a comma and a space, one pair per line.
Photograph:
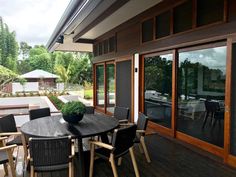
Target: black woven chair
50, 154
8, 128
140, 134
121, 113
89, 110
122, 143
38, 113
6, 156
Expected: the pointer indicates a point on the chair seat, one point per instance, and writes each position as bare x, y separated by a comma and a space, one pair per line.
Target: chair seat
16, 140
103, 153
51, 168
4, 157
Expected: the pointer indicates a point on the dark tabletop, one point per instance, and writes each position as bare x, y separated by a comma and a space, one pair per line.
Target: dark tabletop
53, 126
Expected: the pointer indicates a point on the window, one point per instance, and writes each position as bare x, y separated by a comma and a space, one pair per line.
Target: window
183, 17
209, 11
147, 30
163, 24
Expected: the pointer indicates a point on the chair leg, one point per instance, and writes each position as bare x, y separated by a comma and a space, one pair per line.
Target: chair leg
92, 147
11, 163
113, 165
5, 169
131, 151
119, 161
70, 169
145, 149
24, 147
31, 171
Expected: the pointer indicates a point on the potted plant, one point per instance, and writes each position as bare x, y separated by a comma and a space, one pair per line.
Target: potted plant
73, 111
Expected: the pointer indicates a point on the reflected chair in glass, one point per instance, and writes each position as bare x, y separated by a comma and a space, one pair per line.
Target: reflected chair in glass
89, 110
122, 143
213, 110
8, 128
38, 113
140, 134
51, 154
6, 156
121, 114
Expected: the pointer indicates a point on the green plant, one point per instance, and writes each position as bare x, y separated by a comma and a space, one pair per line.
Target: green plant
74, 107
56, 101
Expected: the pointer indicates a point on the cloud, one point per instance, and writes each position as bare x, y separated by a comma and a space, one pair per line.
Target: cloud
32, 20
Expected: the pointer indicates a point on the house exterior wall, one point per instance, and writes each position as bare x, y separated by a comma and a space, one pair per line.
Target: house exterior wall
129, 43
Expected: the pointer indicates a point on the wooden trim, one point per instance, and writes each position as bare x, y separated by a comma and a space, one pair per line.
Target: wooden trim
231, 160
160, 129
105, 87
141, 84
94, 85
158, 53
228, 91
200, 144
203, 46
174, 92
171, 21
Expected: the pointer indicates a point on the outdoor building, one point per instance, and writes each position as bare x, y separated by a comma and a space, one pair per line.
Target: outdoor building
44, 78
172, 60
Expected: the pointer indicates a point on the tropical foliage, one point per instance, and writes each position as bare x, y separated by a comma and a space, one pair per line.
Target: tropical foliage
6, 76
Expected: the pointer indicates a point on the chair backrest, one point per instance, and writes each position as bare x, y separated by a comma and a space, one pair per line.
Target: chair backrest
121, 113
50, 151
8, 124
89, 110
142, 122
212, 106
38, 113
123, 139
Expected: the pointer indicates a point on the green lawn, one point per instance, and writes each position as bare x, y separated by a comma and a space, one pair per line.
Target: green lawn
88, 93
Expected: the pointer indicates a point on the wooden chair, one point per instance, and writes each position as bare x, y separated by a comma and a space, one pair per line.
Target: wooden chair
122, 143
6, 156
38, 113
8, 128
140, 134
121, 113
51, 154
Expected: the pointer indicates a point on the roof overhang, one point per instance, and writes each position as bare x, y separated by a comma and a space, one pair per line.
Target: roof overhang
92, 18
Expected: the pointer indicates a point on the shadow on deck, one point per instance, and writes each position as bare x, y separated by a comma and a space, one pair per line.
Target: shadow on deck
169, 159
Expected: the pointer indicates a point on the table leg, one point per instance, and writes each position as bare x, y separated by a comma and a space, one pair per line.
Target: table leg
81, 158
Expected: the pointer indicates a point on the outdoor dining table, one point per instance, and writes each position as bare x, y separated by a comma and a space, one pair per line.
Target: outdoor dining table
54, 126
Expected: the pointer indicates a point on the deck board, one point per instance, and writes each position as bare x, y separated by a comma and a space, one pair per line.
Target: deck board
169, 159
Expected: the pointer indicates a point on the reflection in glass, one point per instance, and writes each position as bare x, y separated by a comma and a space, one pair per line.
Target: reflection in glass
100, 85
158, 84
201, 94
110, 75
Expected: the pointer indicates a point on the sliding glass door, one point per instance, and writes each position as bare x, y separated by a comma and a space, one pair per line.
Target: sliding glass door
201, 93
158, 88
105, 87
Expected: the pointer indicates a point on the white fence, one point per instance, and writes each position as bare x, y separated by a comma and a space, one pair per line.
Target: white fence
27, 87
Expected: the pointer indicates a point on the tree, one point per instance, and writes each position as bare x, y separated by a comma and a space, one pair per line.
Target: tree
64, 74
6, 76
8, 47
24, 50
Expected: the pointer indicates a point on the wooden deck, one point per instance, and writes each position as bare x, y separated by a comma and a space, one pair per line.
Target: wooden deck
169, 159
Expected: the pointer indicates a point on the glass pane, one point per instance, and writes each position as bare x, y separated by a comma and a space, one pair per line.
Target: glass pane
163, 25
233, 110
158, 84
100, 85
201, 94
147, 30
110, 74
209, 11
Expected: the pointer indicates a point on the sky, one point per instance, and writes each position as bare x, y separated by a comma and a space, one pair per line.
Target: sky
33, 20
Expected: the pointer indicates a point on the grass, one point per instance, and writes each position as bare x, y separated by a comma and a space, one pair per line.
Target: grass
57, 102
88, 93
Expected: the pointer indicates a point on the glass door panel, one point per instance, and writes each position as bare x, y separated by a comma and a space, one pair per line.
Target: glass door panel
201, 94
158, 88
100, 96
110, 81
